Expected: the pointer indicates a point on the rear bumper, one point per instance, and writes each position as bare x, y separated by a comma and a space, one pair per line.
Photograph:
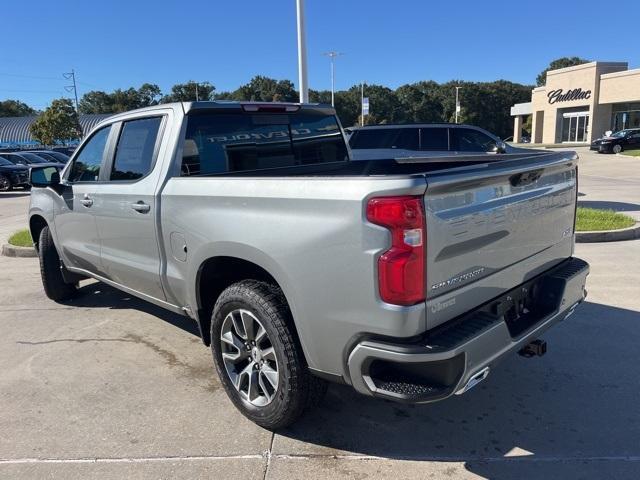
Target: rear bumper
443, 361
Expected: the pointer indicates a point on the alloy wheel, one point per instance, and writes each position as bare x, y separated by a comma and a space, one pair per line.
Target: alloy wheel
249, 357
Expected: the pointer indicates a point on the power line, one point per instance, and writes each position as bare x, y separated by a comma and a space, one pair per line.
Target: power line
37, 77
29, 91
27, 76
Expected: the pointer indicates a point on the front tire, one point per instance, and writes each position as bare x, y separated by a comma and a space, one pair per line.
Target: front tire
258, 358
5, 183
617, 148
51, 269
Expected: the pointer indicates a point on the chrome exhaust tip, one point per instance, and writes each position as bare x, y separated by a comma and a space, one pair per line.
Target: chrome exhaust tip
475, 379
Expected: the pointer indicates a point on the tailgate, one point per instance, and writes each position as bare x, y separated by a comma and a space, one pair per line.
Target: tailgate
491, 226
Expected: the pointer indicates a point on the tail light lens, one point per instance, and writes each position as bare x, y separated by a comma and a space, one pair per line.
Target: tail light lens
401, 269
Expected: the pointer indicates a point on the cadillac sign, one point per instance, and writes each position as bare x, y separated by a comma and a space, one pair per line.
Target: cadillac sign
568, 96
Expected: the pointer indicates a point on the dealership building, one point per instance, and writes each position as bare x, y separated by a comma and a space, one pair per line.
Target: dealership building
579, 104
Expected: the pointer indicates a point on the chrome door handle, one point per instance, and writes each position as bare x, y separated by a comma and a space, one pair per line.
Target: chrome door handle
87, 201
141, 207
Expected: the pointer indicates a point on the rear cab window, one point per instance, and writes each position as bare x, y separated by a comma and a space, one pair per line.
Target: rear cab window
237, 141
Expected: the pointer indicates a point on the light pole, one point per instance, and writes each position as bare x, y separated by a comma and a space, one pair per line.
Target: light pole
457, 103
332, 55
362, 104
302, 53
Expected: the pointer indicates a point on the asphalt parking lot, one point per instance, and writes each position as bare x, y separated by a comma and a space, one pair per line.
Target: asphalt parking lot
108, 386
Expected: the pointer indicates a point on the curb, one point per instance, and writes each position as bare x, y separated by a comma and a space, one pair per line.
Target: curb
630, 233
13, 251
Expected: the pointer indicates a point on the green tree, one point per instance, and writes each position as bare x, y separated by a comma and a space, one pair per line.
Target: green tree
419, 102
120, 100
265, 89
563, 62
149, 94
527, 125
96, 102
58, 123
15, 108
189, 91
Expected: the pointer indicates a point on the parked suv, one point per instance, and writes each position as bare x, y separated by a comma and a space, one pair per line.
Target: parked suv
617, 142
424, 140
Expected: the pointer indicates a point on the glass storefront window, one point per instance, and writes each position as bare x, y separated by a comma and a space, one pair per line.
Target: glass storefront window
575, 126
565, 129
629, 119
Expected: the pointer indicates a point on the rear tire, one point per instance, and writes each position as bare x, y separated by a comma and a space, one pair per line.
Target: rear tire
617, 148
263, 370
51, 270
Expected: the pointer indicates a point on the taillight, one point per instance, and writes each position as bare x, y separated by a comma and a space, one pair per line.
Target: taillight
401, 270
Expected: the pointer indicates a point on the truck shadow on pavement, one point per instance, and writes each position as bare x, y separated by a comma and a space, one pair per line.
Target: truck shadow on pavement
101, 295
572, 413
14, 194
577, 404
605, 205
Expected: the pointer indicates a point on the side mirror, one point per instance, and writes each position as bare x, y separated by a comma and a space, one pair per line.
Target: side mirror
44, 177
499, 147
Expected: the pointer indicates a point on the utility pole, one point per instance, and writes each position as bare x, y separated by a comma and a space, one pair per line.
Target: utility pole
72, 88
197, 97
457, 104
332, 55
302, 53
362, 104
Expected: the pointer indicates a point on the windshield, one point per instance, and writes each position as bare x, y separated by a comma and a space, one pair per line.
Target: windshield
61, 157
32, 158
234, 142
620, 134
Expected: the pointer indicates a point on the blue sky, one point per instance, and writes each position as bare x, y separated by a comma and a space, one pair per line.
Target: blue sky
118, 44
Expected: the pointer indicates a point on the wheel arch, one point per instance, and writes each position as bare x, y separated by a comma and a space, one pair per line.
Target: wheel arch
36, 224
217, 273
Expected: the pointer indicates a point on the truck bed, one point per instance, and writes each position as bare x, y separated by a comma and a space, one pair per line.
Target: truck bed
402, 166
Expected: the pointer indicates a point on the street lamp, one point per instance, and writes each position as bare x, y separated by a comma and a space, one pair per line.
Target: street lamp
302, 53
457, 104
332, 55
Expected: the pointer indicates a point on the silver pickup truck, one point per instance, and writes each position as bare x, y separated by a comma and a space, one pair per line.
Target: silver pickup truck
406, 279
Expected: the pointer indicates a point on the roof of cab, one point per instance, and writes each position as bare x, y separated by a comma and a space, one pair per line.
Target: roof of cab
231, 104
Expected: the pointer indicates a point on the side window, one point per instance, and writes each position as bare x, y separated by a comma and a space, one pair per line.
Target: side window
405, 138
86, 165
434, 138
469, 140
134, 152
